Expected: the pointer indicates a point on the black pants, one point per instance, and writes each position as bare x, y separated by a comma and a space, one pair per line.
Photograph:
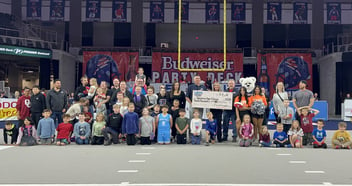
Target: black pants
286, 127
281, 144
181, 138
278, 120
114, 135
97, 140
13, 137
298, 118
307, 138
145, 141
131, 139
35, 118
218, 116
320, 146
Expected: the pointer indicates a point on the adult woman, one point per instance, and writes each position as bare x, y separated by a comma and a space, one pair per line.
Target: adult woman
278, 99
217, 113
176, 93
243, 108
258, 104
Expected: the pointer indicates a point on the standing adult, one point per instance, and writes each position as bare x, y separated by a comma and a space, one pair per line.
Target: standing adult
23, 106
258, 104
191, 88
303, 97
82, 91
115, 85
230, 115
267, 108
56, 101
123, 90
217, 113
244, 107
38, 104
278, 100
104, 87
176, 93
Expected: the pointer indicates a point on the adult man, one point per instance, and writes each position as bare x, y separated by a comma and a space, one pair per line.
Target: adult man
38, 104
302, 98
23, 106
230, 114
191, 88
82, 91
116, 85
125, 92
56, 101
139, 83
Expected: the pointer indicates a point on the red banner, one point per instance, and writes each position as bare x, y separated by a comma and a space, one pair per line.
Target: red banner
165, 66
289, 68
105, 66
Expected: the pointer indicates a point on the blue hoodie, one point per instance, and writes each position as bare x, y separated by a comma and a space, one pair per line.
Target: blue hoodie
211, 126
130, 123
280, 135
46, 128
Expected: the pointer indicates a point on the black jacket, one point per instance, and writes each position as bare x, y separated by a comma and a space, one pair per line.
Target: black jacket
56, 101
115, 122
79, 92
38, 103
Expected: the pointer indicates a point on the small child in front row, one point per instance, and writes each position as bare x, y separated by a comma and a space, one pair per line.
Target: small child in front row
64, 131
97, 129
182, 124
280, 137
319, 135
46, 128
295, 133
10, 130
246, 131
81, 130
307, 123
196, 127
341, 138
112, 129
164, 123
154, 114
210, 129
264, 137
27, 135
146, 127
130, 126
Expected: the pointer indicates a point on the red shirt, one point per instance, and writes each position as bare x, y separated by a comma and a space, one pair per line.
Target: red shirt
24, 106
63, 130
86, 115
307, 123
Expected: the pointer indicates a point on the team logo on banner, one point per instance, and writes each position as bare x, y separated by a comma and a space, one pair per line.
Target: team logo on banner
238, 12
34, 9
184, 12
300, 13
333, 13
93, 10
57, 10
212, 12
119, 13
274, 13
156, 12
289, 68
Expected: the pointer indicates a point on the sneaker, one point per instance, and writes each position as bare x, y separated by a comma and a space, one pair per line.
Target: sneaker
337, 147
260, 145
207, 144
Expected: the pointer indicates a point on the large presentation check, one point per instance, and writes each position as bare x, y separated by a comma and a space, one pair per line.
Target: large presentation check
211, 99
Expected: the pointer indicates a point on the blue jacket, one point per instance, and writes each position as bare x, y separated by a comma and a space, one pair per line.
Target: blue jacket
46, 128
130, 123
211, 126
280, 135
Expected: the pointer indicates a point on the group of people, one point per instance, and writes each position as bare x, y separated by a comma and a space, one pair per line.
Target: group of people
99, 115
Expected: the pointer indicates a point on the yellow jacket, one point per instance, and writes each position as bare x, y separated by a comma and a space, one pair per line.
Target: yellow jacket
341, 136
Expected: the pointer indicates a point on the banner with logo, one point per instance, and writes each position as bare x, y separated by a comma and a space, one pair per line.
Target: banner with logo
93, 10
57, 10
105, 66
24, 51
119, 10
300, 13
156, 12
238, 12
212, 12
273, 13
334, 13
165, 66
289, 68
34, 9
184, 11
8, 109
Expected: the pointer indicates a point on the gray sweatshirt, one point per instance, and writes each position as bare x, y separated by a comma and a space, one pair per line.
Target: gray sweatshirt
56, 101
46, 128
82, 129
284, 111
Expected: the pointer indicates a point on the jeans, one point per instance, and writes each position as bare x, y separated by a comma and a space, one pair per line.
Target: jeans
114, 135
229, 115
35, 118
265, 144
195, 140
58, 116
79, 141
131, 139
245, 142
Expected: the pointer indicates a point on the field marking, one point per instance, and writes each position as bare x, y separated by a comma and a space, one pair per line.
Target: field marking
273, 148
148, 148
283, 154
143, 153
127, 171
297, 162
327, 183
314, 172
5, 147
136, 161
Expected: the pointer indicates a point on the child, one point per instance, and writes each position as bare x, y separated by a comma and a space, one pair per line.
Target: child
97, 133
119, 97
246, 131
130, 125
319, 135
162, 97
307, 123
280, 136
156, 111
10, 130
146, 127
139, 101
286, 115
341, 138
210, 129
182, 124
141, 75
46, 128
124, 107
81, 131
295, 133
174, 112
99, 101
64, 131
93, 87
196, 127
27, 135
164, 124
151, 98
112, 130
88, 117
264, 137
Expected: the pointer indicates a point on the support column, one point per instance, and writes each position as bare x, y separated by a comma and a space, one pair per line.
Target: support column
137, 25
317, 26
257, 24
16, 9
75, 30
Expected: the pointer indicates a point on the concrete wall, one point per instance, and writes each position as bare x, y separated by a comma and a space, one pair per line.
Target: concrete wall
67, 69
